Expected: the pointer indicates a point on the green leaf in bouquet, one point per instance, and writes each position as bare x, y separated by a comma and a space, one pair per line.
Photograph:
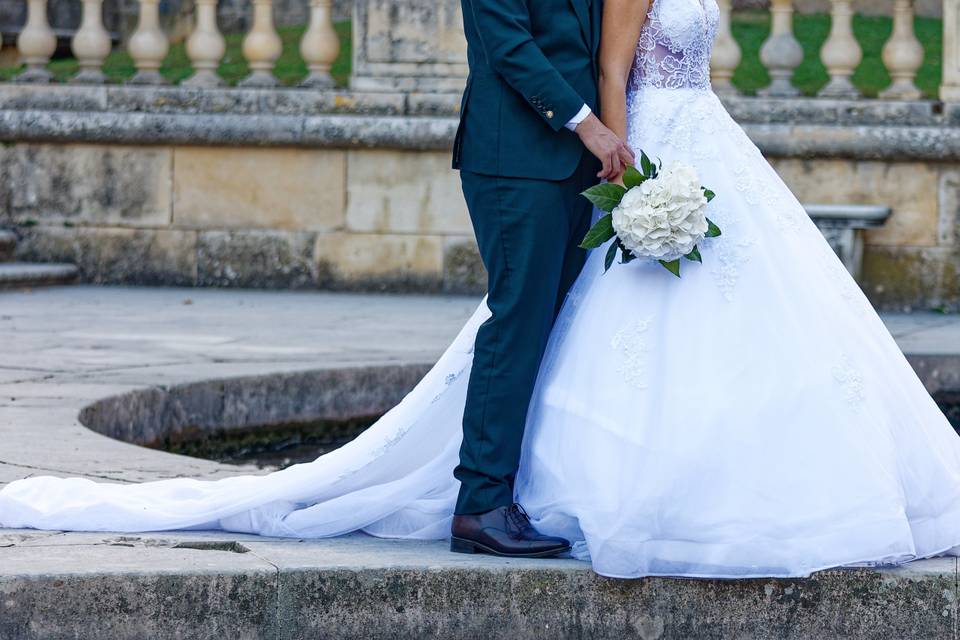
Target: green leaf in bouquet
710, 195
605, 196
646, 165
625, 256
694, 255
611, 256
673, 266
632, 177
712, 229
599, 233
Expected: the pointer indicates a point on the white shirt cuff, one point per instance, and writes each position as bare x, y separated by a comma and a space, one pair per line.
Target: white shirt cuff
580, 117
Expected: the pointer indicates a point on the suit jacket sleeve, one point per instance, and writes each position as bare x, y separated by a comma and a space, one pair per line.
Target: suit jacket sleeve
505, 32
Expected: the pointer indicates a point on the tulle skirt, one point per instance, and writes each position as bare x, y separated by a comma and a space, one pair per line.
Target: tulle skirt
752, 418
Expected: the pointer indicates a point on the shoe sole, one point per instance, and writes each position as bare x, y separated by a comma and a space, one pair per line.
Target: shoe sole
459, 545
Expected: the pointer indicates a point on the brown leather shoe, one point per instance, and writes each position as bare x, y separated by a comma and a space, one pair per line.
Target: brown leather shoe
505, 531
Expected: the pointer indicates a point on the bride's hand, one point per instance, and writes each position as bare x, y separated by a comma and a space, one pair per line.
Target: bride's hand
606, 146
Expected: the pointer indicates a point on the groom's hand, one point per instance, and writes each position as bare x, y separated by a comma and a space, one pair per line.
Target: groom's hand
606, 146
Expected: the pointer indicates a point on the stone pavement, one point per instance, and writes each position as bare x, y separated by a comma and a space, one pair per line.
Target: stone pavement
63, 348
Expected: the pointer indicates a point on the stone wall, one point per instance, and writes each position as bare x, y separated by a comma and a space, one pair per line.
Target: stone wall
379, 219
913, 261
244, 217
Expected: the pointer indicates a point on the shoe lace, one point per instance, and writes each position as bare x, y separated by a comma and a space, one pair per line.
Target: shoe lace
518, 517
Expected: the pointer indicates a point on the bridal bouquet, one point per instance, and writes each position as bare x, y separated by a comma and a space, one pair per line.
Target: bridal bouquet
659, 213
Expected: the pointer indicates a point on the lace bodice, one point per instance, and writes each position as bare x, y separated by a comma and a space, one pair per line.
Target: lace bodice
675, 44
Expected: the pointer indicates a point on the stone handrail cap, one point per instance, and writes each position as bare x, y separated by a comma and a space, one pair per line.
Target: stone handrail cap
865, 214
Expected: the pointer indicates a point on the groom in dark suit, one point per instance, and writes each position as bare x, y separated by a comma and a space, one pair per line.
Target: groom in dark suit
529, 142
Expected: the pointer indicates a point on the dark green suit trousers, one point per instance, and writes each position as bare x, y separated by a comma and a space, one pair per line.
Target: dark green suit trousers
528, 232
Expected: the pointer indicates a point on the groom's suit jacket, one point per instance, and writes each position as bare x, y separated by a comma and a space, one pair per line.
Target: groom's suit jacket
532, 68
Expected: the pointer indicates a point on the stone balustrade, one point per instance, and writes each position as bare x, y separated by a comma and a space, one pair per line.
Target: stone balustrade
418, 46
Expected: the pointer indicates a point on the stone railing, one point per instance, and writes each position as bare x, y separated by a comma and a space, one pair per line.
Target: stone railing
841, 53
414, 45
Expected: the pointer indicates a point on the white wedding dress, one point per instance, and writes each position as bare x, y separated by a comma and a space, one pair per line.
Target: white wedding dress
754, 418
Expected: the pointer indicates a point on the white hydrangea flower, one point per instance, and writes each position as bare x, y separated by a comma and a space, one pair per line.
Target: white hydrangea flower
663, 218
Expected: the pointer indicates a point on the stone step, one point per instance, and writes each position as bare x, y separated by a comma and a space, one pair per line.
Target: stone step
187, 584
8, 245
14, 275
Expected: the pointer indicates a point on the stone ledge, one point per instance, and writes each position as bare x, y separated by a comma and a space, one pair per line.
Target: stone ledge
205, 585
296, 101
325, 131
424, 133
223, 100
806, 128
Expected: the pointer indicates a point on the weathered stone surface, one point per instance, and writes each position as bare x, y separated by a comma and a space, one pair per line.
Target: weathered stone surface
463, 270
52, 593
127, 186
142, 256
30, 274
411, 45
182, 100
380, 262
231, 585
907, 278
404, 192
868, 129
292, 189
8, 245
558, 600
910, 189
948, 227
255, 259
185, 100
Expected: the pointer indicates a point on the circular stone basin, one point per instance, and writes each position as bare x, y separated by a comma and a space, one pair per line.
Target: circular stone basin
271, 420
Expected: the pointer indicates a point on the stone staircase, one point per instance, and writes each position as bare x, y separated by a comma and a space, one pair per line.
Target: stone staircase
19, 275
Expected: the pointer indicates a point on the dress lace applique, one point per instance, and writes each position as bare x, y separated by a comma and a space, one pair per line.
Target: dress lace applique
675, 45
448, 382
850, 380
729, 252
631, 342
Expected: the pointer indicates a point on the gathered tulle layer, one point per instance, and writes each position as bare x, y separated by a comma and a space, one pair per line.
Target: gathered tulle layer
753, 418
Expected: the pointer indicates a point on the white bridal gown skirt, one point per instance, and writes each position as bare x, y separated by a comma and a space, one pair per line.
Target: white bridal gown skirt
753, 418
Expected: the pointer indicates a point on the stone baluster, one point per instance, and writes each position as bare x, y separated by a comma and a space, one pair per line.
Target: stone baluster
781, 53
148, 45
205, 47
841, 53
320, 45
262, 46
726, 53
903, 54
950, 88
36, 43
90, 44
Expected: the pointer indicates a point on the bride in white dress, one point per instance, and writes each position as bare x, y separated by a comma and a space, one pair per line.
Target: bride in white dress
754, 418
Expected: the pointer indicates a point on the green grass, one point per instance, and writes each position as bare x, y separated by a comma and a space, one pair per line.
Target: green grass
750, 28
